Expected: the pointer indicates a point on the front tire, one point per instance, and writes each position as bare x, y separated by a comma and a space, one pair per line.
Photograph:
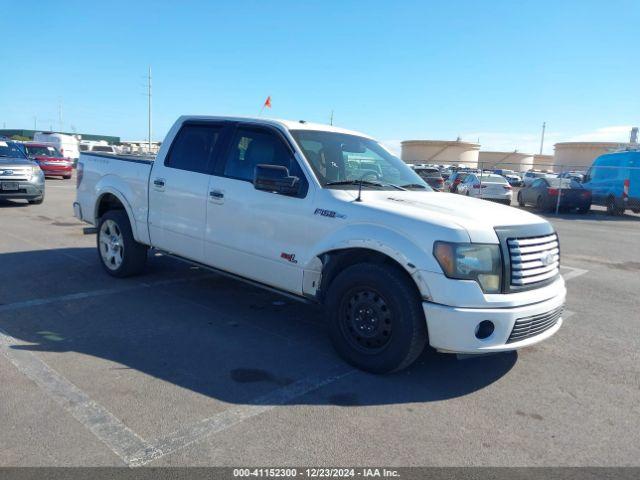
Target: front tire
36, 201
119, 253
520, 201
376, 321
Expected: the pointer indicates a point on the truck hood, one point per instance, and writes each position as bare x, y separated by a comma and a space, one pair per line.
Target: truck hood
477, 217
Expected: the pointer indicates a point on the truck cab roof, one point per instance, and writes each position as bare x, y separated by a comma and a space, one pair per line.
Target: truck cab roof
285, 124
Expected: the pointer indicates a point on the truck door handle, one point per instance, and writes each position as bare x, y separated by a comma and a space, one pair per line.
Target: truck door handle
216, 194
159, 182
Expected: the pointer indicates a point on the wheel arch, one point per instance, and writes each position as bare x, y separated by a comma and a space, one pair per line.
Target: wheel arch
112, 199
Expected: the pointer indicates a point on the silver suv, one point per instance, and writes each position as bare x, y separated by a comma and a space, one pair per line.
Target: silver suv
20, 178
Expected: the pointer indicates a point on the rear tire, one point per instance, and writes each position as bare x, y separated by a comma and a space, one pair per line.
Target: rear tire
520, 201
119, 253
539, 204
376, 321
66, 177
613, 209
585, 209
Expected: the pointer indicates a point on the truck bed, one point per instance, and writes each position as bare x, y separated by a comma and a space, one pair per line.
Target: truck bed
127, 177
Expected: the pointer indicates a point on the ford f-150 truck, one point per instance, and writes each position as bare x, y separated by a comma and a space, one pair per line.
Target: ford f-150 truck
328, 215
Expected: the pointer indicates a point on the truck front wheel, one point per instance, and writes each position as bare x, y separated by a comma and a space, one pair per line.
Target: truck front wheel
119, 253
376, 321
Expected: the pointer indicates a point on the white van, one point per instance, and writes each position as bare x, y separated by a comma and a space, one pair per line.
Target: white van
67, 144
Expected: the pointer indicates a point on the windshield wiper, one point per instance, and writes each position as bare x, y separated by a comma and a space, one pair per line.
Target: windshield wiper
364, 182
413, 185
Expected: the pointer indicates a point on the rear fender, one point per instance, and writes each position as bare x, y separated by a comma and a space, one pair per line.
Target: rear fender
110, 184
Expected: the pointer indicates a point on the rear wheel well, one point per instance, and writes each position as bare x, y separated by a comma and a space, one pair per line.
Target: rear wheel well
108, 202
336, 261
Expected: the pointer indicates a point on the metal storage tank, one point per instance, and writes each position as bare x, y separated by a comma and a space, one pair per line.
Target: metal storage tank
441, 152
543, 162
516, 161
580, 155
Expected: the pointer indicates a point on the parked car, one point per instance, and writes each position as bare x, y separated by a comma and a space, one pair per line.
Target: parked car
512, 177
432, 176
50, 160
543, 193
614, 181
66, 144
20, 178
280, 205
97, 147
454, 180
577, 176
487, 186
531, 175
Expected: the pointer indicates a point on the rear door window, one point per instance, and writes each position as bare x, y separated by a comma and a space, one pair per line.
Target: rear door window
194, 148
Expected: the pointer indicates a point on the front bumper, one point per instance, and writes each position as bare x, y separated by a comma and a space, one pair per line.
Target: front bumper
453, 329
56, 169
26, 191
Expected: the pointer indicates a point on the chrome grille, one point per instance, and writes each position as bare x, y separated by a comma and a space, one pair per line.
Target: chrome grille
533, 259
14, 174
527, 327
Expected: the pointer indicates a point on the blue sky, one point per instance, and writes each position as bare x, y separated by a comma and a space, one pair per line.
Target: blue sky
493, 70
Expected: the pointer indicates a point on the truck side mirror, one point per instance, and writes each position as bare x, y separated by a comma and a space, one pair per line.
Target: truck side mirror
275, 178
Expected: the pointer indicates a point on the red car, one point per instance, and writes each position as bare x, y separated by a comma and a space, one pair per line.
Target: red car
51, 161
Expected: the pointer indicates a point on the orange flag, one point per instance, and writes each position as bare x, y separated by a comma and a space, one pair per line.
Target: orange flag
267, 102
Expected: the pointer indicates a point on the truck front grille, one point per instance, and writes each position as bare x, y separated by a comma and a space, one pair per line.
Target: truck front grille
533, 259
527, 327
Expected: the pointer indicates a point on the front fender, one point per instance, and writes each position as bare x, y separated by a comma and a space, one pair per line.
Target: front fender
408, 254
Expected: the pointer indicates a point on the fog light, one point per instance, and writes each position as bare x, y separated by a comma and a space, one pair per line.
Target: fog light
484, 329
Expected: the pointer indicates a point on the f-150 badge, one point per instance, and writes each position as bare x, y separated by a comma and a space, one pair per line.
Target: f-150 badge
328, 213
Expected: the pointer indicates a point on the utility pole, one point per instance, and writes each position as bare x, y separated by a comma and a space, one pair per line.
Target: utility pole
149, 95
331, 119
60, 114
544, 126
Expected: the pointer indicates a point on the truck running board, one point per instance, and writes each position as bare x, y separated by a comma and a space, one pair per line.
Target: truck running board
293, 296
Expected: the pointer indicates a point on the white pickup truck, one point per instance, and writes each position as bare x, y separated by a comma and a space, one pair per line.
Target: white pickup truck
327, 215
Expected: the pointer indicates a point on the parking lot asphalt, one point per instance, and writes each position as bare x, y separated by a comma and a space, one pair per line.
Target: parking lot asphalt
180, 366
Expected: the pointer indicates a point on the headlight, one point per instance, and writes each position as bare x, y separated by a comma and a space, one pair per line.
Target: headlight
35, 172
471, 261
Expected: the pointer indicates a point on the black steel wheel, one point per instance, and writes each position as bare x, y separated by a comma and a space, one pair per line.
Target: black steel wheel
365, 320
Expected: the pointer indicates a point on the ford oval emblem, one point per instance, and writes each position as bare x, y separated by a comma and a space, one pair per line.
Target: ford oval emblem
8, 172
547, 258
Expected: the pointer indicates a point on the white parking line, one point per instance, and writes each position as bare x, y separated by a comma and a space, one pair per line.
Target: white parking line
93, 293
574, 273
233, 416
132, 449
123, 441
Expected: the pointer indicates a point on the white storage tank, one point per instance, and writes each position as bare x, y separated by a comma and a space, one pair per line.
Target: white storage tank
580, 155
440, 152
516, 161
543, 162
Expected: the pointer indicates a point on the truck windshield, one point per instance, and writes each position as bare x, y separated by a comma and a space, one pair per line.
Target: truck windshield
11, 149
341, 161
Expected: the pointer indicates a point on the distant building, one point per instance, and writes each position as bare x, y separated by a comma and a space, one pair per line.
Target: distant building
440, 152
81, 136
514, 160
